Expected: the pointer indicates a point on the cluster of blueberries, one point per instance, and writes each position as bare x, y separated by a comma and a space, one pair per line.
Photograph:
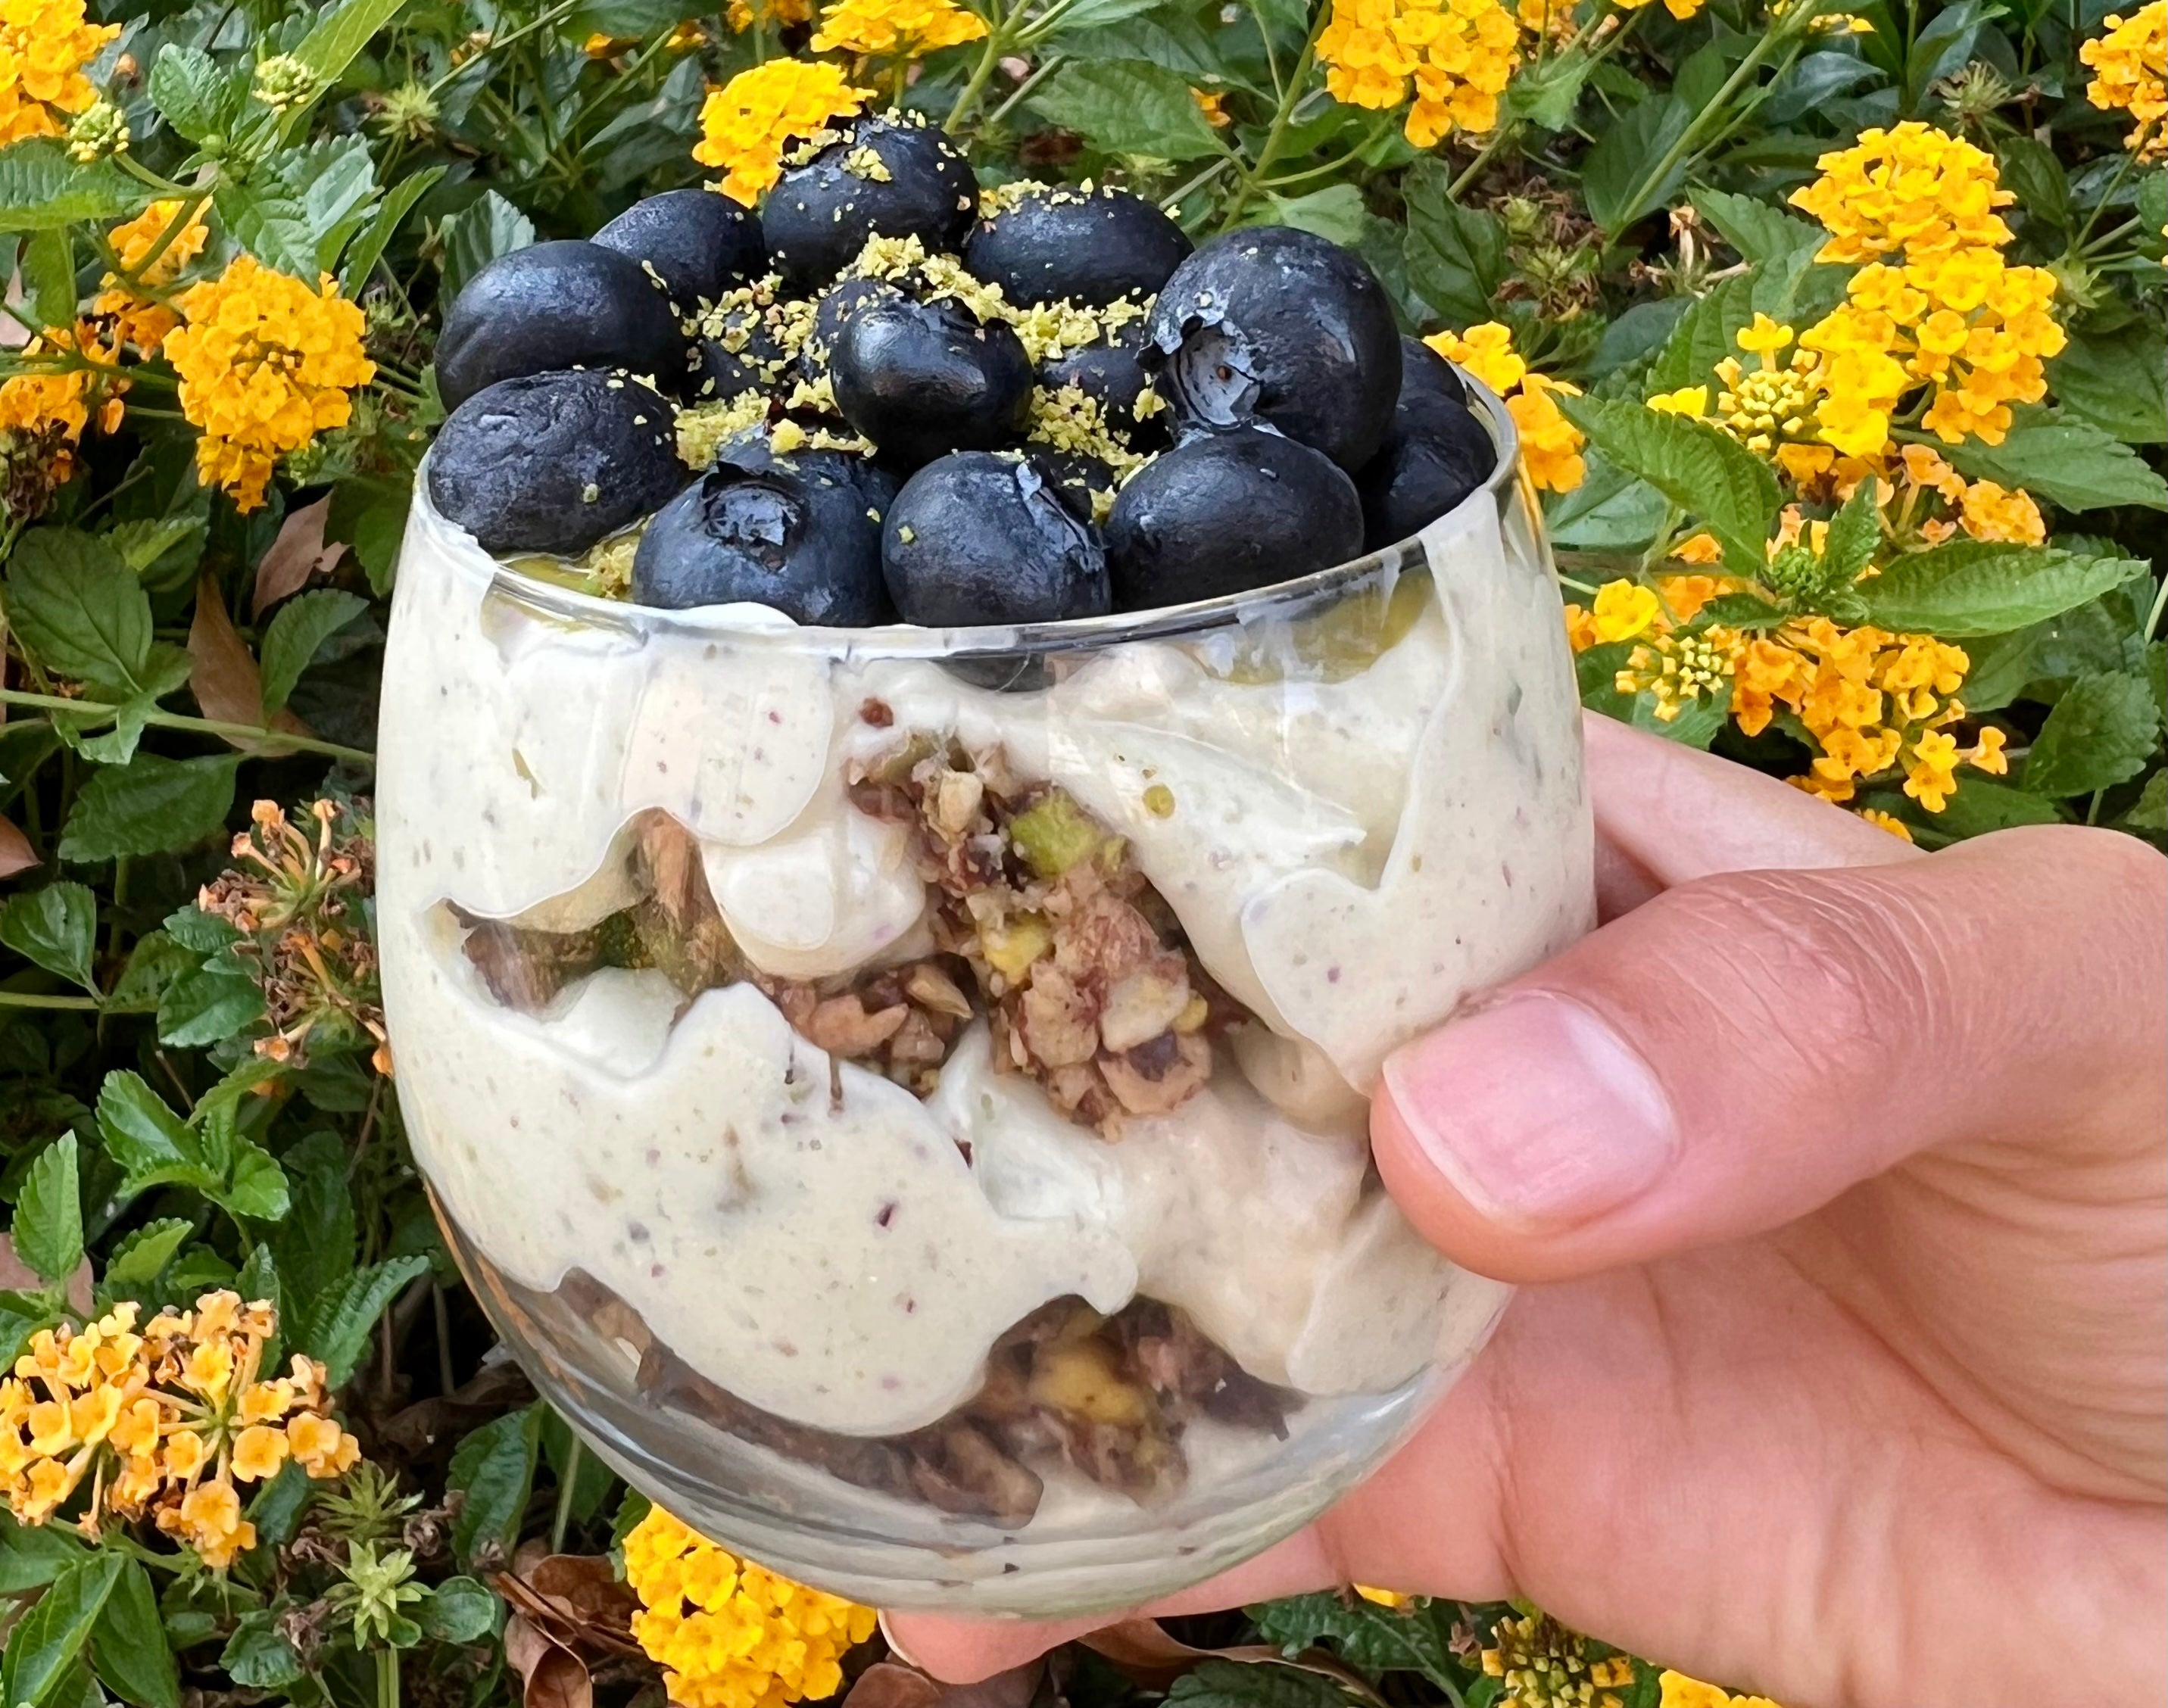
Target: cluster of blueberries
1284, 424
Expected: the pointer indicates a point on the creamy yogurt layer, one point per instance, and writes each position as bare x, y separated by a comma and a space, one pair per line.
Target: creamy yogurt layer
1348, 851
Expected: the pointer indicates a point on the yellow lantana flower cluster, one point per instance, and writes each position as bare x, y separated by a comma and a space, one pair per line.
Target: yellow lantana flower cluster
895, 29
2130, 71
164, 1422
1458, 54
1947, 312
52, 407
1541, 1664
728, 1633
1983, 509
43, 46
773, 15
265, 365
745, 125
148, 258
1679, 1691
1550, 445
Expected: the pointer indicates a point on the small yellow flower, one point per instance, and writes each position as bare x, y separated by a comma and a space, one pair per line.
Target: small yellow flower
43, 46
2130, 71
1486, 351
1625, 610
745, 125
1679, 1691
259, 1451
55, 405
1687, 399
1211, 103
895, 29
1550, 445
1456, 57
772, 14
265, 365
1384, 1597
1989, 512
727, 1633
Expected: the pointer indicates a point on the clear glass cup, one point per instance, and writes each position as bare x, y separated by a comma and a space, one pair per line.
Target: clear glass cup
901, 1093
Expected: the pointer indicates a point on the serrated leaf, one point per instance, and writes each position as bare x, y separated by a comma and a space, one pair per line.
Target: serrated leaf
1235, 1684
2116, 381
493, 1469
1703, 338
488, 227
1456, 256
1701, 470
1758, 231
1335, 213
1971, 587
302, 624
1372, 1639
2069, 462
78, 608
158, 549
31, 1557
1610, 511
2149, 811
1097, 14
1614, 177
338, 36
128, 1646
142, 1257
256, 1187
2102, 732
2101, 635
1854, 533
43, 1648
1547, 94
315, 1244
257, 1657
198, 98
458, 1609
152, 805
2029, 167
42, 189
1127, 107
56, 927
47, 1231
337, 1328
267, 217
151, 1143
212, 1002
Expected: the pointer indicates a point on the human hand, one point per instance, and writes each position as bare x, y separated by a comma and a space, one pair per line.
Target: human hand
1835, 1173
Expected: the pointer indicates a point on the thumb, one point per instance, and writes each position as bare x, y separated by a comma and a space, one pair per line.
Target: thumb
1743, 1048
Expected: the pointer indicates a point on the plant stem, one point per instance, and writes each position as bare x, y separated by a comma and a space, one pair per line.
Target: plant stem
563, 9
567, 1481
1497, 140
998, 41
200, 726
1052, 63
387, 1677
24, 998
1277, 135
1169, 203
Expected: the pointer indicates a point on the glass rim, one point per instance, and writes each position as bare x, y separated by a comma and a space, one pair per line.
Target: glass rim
1284, 600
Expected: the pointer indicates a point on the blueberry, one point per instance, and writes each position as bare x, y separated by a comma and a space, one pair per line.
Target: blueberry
791, 532
552, 306
1425, 373
1223, 512
888, 178
553, 462
1109, 372
1073, 476
979, 537
717, 374
698, 242
919, 379
1276, 325
1436, 453
834, 310
1091, 247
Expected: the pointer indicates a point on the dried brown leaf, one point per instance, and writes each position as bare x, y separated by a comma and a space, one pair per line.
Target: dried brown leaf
298, 554
222, 672
16, 854
552, 1676
891, 1684
1149, 1655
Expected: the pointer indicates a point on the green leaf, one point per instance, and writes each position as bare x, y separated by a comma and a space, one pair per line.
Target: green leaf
155, 962
42, 1649
198, 99
47, 1230
152, 805
269, 220
1701, 470
279, 1505
256, 1185
1237, 1685
383, 225
2068, 462
1456, 256
494, 1469
1971, 587
142, 1257
154, 1145
1613, 176
2029, 167
56, 927
257, 1657
161, 551
459, 1609
1127, 107
371, 513
1703, 338
331, 44
2149, 811
315, 1244
31, 1556
489, 227
2116, 381
1335, 213
78, 608
2099, 636
128, 1647
1854, 534
1547, 94
1097, 14
41, 190
217, 1001
1757, 228
303, 624
49, 277
1372, 1639
1610, 511
337, 1328
2102, 732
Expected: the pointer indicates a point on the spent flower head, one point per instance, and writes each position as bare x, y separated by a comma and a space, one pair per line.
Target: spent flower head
285, 80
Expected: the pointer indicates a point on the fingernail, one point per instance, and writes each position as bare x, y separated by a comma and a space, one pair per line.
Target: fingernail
1535, 1112
895, 1647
